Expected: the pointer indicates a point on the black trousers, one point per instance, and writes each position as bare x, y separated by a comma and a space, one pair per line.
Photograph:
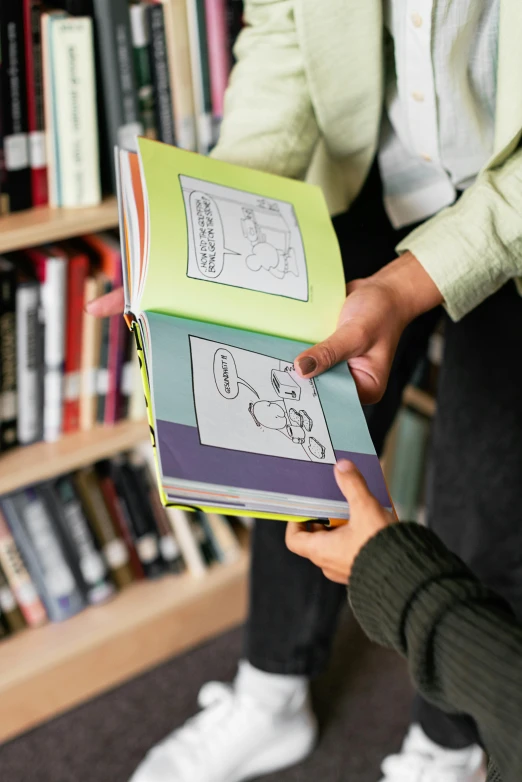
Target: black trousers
475, 486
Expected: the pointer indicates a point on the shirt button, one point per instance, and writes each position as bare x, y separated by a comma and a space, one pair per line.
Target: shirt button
416, 20
417, 96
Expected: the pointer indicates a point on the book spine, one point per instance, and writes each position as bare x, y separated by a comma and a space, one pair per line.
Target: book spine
180, 521
142, 70
14, 105
8, 605
200, 75
51, 267
407, 472
225, 542
78, 537
112, 545
131, 400
160, 75
121, 521
142, 522
35, 109
8, 385
117, 74
102, 374
178, 49
19, 579
91, 337
29, 363
34, 534
74, 111
218, 53
78, 266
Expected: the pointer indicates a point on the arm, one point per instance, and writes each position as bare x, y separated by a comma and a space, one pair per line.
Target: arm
473, 247
269, 121
463, 645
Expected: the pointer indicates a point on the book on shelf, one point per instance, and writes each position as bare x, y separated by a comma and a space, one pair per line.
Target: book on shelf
8, 384
234, 17
29, 356
181, 522
8, 605
224, 541
19, 579
35, 101
180, 67
78, 266
15, 124
219, 57
198, 47
236, 429
33, 530
50, 265
87, 563
142, 68
160, 74
91, 345
109, 539
408, 468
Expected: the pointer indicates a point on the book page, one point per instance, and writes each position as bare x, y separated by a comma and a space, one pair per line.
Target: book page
241, 239
241, 248
246, 401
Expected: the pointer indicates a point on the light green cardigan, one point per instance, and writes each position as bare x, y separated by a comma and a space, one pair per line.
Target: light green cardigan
305, 100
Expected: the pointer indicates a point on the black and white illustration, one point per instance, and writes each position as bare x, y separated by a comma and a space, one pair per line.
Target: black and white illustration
247, 401
240, 239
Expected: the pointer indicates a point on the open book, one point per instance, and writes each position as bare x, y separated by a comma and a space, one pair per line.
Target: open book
229, 274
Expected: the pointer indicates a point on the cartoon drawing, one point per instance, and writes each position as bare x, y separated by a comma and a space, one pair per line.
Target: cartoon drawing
238, 238
246, 401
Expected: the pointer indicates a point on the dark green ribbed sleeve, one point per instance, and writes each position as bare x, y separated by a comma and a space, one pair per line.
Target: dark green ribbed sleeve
462, 643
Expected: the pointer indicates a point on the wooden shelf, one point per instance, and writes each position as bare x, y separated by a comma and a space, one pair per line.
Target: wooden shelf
43, 225
420, 400
44, 672
31, 464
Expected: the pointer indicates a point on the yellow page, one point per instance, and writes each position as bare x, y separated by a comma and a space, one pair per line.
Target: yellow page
237, 247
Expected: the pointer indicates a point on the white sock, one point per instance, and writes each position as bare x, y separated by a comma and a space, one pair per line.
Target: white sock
275, 692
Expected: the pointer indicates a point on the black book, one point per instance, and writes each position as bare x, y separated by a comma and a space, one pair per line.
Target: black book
8, 384
84, 556
14, 105
138, 513
159, 66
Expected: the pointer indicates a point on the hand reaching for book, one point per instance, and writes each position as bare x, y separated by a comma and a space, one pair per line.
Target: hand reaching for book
104, 306
335, 551
373, 317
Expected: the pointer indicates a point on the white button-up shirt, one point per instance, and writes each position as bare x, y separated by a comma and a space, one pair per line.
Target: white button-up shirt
438, 125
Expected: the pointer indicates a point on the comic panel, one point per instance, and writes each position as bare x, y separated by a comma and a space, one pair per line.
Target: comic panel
250, 402
240, 239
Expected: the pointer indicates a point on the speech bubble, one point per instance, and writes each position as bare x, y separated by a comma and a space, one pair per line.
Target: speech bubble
225, 375
209, 239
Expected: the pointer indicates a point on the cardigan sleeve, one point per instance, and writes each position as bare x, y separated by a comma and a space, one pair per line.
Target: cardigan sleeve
462, 642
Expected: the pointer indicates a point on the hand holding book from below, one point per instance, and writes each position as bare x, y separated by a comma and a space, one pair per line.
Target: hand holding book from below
335, 551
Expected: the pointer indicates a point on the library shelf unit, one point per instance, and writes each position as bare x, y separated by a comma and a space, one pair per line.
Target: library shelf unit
45, 672
44, 224
421, 401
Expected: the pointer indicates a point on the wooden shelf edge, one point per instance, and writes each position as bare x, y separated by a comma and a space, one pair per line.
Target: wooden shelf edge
45, 672
31, 464
420, 400
43, 224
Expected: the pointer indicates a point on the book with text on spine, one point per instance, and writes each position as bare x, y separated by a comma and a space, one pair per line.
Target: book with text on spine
229, 274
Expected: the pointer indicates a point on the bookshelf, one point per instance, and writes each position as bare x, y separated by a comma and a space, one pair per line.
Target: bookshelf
421, 401
44, 672
44, 225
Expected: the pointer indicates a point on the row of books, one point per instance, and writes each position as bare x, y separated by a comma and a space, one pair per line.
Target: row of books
77, 540
62, 370
79, 77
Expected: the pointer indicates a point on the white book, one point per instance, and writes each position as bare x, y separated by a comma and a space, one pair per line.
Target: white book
188, 544
70, 61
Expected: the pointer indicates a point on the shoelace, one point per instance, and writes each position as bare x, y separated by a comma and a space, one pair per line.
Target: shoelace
414, 767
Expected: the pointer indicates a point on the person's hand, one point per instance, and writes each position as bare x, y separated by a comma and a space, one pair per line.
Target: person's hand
335, 551
112, 303
373, 317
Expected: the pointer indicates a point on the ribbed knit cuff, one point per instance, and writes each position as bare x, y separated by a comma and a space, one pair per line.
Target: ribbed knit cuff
388, 574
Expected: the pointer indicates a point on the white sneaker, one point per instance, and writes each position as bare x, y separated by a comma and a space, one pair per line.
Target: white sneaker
261, 724
421, 760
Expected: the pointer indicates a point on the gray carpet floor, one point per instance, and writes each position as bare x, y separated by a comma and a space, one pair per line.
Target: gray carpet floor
363, 703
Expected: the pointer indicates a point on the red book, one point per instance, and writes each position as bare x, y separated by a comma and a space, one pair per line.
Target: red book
108, 250
35, 109
117, 514
78, 268
218, 53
